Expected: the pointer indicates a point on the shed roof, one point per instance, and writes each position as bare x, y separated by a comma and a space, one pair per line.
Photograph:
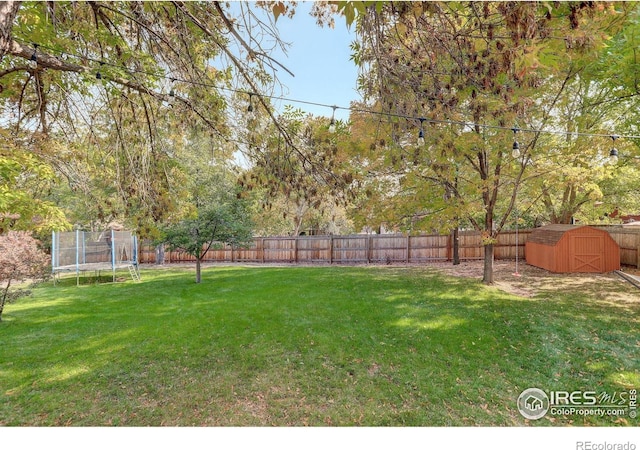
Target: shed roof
551, 234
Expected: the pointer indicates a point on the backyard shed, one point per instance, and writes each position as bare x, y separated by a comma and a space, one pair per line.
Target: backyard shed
571, 248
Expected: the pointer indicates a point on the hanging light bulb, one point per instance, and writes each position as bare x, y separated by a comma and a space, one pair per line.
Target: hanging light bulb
250, 107
98, 74
34, 56
515, 149
421, 133
332, 124
613, 154
515, 152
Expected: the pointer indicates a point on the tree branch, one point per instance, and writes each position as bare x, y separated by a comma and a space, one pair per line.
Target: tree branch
15, 69
8, 12
252, 53
243, 72
45, 61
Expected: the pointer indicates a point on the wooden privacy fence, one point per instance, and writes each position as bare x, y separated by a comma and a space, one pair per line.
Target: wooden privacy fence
375, 248
629, 242
381, 248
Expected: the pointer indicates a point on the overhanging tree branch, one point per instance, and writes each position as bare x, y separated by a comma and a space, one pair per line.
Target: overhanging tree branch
245, 75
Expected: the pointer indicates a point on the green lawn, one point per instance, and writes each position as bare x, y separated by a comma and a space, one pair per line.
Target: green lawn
370, 346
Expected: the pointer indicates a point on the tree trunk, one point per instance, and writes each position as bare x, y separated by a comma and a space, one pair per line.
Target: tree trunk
5, 294
198, 271
8, 11
160, 254
298, 224
487, 277
456, 246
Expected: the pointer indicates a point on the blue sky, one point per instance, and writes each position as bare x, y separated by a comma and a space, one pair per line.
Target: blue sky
319, 59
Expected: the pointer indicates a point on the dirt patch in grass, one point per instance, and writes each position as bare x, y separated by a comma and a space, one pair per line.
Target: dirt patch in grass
529, 282
532, 281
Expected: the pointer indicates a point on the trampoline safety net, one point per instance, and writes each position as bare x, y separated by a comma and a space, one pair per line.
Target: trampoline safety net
83, 250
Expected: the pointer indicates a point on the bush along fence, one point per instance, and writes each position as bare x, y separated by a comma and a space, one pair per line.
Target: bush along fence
380, 249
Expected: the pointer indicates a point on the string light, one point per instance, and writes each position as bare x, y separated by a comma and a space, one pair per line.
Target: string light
98, 74
250, 108
421, 133
332, 124
515, 151
613, 152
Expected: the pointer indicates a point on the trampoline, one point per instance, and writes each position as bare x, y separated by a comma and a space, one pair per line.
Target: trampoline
83, 251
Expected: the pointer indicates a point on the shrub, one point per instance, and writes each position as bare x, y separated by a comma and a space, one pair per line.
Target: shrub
21, 258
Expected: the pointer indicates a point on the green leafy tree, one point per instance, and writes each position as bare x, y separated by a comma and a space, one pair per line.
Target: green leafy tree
57, 55
212, 225
25, 182
464, 74
119, 87
604, 99
569, 172
218, 216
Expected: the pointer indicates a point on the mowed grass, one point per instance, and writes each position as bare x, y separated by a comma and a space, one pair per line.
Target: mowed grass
367, 346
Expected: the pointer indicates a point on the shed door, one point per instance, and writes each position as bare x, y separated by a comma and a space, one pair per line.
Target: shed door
586, 254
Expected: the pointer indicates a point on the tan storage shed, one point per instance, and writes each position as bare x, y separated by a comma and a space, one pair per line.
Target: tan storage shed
572, 249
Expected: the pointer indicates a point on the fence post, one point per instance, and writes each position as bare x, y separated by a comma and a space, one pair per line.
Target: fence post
408, 248
331, 249
638, 249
